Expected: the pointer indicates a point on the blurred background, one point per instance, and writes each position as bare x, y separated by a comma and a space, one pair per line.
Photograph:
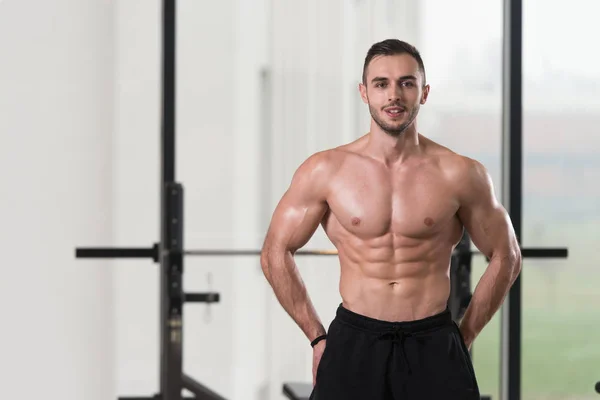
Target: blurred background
261, 85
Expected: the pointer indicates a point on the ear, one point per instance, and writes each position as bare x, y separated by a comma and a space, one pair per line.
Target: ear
363, 93
425, 94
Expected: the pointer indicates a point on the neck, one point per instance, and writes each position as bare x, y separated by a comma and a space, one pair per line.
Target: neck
392, 150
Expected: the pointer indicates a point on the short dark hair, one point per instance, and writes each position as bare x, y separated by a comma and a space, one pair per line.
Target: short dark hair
391, 47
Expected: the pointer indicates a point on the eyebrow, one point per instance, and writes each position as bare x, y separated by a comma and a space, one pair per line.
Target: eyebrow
402, 78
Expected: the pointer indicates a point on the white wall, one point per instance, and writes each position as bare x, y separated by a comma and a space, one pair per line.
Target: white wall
56, 122
136, 193
251, 346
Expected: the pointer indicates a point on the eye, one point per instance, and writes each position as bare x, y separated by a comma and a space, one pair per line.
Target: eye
379, 85
408, 83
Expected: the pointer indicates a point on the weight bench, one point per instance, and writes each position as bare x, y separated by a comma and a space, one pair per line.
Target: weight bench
297, 390
302, 391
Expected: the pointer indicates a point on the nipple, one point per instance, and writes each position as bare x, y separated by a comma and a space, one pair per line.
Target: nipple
428, 221
355, 221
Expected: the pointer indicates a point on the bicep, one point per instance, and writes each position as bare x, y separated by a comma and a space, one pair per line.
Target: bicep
484, 218
489, 227
294, 221
300, 210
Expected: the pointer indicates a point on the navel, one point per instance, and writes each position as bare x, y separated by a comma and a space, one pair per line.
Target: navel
428, 221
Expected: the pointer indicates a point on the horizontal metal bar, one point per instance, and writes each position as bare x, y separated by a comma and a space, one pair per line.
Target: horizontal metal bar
202, 297
126, 252
199, 390
152, 252
544, 253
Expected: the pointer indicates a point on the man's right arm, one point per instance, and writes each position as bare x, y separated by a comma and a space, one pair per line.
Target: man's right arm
294, 221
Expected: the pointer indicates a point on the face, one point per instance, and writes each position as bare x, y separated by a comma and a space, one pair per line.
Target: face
394, 91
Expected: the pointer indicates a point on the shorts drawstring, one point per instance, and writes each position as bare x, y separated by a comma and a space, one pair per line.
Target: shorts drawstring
397, 336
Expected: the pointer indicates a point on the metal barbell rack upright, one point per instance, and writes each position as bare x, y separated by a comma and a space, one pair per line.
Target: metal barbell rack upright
169, 252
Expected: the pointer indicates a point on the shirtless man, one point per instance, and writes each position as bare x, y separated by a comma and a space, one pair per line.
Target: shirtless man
394, 204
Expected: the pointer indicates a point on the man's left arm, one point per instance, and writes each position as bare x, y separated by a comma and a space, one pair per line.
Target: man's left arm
491, 231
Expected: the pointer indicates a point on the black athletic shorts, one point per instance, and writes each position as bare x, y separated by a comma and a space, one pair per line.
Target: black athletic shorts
369, 359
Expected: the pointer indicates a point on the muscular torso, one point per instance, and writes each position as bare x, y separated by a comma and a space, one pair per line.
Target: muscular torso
395, 229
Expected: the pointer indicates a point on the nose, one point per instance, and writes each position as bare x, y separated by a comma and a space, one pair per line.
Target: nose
394, 93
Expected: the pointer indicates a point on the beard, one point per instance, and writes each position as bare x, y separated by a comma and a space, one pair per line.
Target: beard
394, 129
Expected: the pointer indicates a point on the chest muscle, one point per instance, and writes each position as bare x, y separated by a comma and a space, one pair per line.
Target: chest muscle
370, 205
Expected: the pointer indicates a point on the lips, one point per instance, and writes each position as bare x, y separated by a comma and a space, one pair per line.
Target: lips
394, 111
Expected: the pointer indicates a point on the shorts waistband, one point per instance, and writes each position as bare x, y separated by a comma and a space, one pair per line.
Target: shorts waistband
439, 320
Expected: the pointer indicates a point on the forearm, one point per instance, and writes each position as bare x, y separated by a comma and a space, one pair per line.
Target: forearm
489, 294
283, 276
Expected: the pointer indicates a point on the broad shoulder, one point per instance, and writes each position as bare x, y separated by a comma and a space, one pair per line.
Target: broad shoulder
468, 175
315, 174
459, 168
326, 163
452, 164
321, 164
